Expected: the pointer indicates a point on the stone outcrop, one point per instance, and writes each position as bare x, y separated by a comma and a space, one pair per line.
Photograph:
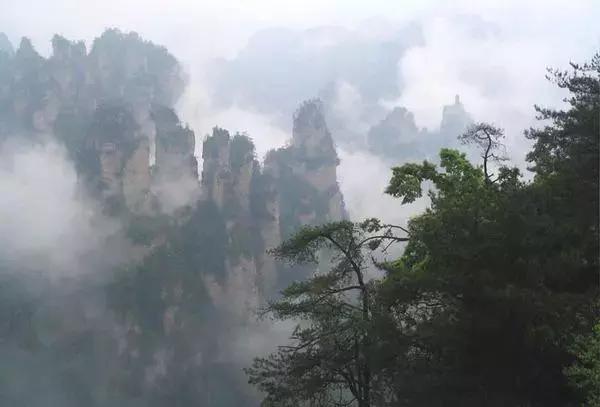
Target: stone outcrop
397, 137
175, 178
137, 178
112, 107
395, 134
297, 185
306, 172
197, 264
228, 176
455, 120
270, 227
216, 170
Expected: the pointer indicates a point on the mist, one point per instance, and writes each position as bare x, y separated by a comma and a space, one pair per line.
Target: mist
49, 225
249, 68
494, 55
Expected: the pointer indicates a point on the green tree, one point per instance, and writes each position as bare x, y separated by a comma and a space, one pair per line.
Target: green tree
330, 361
565, 159
512, 267
584, 374
498, 276
488, 139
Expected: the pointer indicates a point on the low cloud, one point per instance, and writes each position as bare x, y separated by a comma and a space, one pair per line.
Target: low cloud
196, 109
496, 63
48, 225
363, 178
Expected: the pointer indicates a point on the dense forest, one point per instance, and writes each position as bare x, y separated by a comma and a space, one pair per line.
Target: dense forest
495, 300
169, 279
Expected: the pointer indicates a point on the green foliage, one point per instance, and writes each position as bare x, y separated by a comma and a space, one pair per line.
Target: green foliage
241, 151
584, 374
497, 278
508, 269
305, 244
406, 180
330, 359
488, 139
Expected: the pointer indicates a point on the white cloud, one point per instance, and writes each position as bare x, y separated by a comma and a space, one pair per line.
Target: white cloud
363, 178
195, 108
47, 225
492, 53
496, 59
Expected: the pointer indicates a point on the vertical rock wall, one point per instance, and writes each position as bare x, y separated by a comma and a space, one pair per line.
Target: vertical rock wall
297, 185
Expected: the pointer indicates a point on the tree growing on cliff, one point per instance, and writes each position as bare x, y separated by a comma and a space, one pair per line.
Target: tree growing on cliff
331, 359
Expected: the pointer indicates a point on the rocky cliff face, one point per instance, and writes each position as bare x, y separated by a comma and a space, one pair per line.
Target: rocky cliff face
111, 107
175, 179
305, 173
229, 169
198, 265
397, 135
297, 185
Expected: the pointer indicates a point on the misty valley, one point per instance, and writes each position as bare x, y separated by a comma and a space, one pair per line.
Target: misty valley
144, 262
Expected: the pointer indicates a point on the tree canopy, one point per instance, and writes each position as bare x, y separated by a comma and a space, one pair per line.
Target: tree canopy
494, 299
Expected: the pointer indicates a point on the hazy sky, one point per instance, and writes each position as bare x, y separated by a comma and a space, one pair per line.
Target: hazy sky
493, 53
219, 27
